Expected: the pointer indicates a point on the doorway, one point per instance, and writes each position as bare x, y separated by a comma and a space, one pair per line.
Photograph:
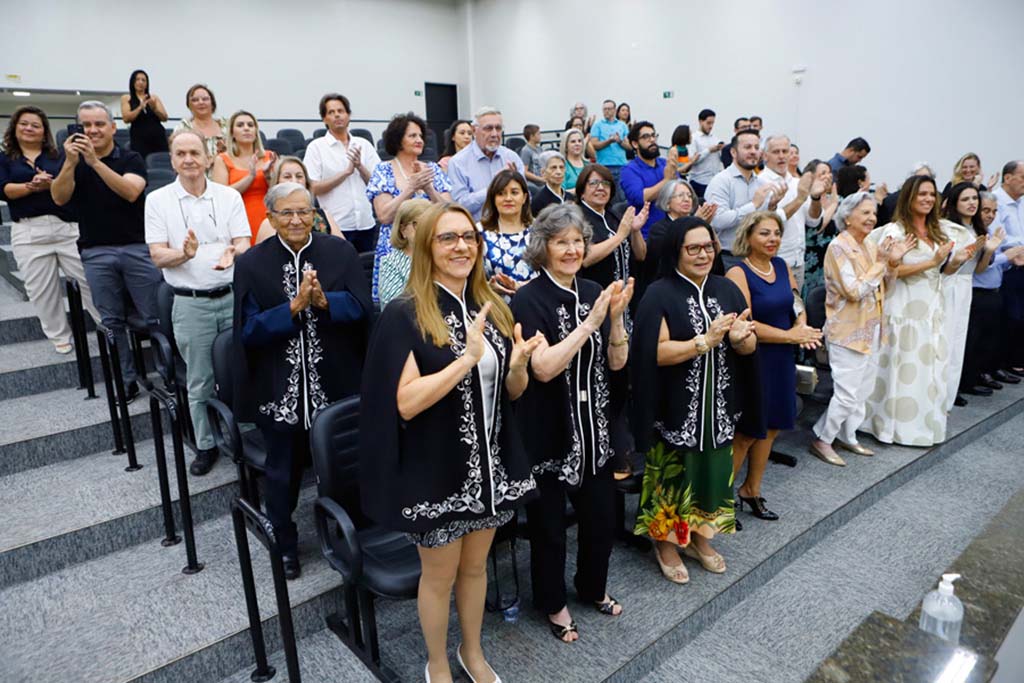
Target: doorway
442, 100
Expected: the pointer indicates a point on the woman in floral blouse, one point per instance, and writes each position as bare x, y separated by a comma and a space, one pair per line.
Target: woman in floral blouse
505, 220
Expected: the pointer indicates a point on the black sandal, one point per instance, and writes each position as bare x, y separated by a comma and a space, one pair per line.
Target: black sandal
608, 607
560, 632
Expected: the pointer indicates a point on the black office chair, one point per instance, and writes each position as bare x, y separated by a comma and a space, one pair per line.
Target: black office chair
247, 449
157, 178
279, 145
294, 136
159, 160
122, 137
515, 144
815, 305
429, 154
320, 132
374, 562
382, 152
363, 133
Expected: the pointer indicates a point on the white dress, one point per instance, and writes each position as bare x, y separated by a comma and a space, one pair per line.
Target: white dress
956, 291
908, 403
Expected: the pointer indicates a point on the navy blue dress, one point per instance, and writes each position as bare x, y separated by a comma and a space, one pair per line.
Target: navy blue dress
772, 304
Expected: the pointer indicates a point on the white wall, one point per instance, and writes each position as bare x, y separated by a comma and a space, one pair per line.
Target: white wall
919, 79
273, 58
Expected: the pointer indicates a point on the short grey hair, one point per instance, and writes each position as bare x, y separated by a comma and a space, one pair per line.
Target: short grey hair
96, 104
483, 111
547, 155
553, 221
987, 196
572, 110
669, 189
920, 165
776, 136
849, 205
282, 190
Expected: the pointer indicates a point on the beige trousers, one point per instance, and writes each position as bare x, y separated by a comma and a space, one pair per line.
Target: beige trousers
43, 246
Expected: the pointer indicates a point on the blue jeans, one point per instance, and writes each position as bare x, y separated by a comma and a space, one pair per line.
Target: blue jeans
616, 190
113, 273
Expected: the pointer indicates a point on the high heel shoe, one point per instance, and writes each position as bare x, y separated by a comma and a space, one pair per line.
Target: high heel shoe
676, 574
757, 507
458, 656
713, 563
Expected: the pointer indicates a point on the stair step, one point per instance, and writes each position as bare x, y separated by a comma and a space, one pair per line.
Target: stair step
90, 506
60, 425
5, 212
34, 367
7, 257
322, 659
133, 616
5, 232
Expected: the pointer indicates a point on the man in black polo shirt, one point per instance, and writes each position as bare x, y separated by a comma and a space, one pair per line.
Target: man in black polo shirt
106, 184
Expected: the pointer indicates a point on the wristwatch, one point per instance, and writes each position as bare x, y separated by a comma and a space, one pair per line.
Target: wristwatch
702, 344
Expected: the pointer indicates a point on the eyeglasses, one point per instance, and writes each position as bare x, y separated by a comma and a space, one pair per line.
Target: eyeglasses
649, 136
694, 249
599, 183
492, 128
450, 239
288, 214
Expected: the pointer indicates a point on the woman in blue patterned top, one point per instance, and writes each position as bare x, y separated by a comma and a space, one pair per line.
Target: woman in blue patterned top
401, 178
505, 220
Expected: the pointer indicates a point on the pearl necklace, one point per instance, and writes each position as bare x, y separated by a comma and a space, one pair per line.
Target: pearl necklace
770, 272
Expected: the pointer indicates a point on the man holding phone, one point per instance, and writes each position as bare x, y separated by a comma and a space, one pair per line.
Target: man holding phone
707, 148
106, 184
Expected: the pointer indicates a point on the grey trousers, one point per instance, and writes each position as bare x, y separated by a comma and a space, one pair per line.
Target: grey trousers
113, 274
197, 321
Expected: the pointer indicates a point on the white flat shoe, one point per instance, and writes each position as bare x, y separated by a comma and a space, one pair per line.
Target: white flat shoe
458, 656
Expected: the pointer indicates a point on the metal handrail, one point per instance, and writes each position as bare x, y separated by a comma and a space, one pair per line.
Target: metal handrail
245, 516
80, 337
120, 419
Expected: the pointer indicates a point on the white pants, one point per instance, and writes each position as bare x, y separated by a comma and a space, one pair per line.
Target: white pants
853, 378
43, 246
957, 292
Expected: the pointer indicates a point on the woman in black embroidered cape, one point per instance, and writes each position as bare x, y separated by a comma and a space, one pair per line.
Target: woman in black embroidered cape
301, 309
692, 333
440, 450
565, 412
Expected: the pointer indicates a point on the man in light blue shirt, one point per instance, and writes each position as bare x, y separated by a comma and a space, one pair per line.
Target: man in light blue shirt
738, 192
472, 169
609, 137
1010, 197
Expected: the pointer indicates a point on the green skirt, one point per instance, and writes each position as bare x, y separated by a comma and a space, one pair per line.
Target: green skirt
686, 492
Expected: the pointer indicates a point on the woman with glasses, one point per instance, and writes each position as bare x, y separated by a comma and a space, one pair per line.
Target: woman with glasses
617, 239
440, 448
44, 236
693, 329
246, 166
203, 105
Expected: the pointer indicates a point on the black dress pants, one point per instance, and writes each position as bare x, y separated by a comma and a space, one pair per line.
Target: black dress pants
287, 454
594, 503
986, 337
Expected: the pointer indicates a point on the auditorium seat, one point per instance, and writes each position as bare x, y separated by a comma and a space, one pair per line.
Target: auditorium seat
159, 177
158, 160
294, 136
363, 133
381, 152
515, 144
319, 133
282, 147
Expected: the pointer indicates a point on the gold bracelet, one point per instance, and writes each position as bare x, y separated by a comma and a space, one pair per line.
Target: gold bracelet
621, 342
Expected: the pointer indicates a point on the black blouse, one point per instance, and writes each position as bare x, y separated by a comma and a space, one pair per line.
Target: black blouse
545, 197
445, 465
565, 420
676, 398
38, 203
615, 266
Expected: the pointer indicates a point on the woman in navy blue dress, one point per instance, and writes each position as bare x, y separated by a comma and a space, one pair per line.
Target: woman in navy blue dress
781, 325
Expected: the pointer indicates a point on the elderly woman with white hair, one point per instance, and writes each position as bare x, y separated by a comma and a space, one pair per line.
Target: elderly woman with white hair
302, 304
565, 414
856, 273
552, 166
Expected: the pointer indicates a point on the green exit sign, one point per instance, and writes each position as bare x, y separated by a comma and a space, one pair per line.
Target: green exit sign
417, 93
668, 94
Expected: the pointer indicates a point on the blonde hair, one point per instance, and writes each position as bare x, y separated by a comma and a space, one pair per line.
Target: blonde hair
257, 144
275, 174
957, 177
741, 247
423, 291
408, 212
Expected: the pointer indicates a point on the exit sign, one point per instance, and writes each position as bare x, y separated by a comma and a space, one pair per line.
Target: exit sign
417, 93
668, 94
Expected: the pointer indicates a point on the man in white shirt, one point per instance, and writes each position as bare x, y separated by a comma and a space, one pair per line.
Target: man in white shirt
339, 166
707, 150
799, 208
738, 192
195, 228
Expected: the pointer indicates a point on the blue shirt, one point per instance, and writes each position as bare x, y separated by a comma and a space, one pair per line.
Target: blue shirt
471, 172
837, 162
614, 154
1011, 216
38, 203
638, 176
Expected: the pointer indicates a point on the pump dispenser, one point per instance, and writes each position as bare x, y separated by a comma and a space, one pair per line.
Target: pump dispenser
942, 613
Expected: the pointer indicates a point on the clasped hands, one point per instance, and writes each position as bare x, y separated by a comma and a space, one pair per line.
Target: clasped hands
739, 328
311, 293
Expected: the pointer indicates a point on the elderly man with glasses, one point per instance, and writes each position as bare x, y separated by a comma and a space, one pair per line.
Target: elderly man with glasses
472, 169
195, 228
644, 176
302, 304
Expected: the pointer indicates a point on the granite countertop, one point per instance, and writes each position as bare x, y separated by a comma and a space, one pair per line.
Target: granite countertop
883, 648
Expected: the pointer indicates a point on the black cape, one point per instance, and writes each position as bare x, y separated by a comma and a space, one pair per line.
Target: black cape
565, 420
670, 402
439, 467
615, 266
299, 364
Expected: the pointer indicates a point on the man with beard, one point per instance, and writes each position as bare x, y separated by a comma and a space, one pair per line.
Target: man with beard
738, 191
643, 177
472, 169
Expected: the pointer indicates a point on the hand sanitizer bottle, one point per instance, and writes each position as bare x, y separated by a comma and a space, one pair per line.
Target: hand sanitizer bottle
942, 613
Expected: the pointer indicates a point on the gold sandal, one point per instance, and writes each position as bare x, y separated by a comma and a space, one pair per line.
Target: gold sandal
713, 563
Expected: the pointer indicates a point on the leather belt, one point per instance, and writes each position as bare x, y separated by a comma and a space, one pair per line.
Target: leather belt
203, 293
